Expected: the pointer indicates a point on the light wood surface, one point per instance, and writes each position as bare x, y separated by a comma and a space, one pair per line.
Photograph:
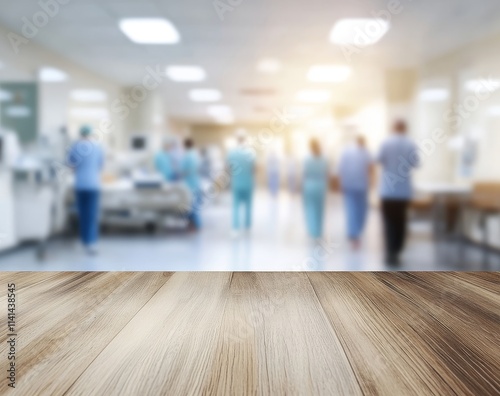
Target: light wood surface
255, 333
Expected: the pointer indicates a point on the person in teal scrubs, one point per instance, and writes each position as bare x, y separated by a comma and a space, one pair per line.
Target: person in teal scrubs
164, 162
190, 169
241, 164
315, 182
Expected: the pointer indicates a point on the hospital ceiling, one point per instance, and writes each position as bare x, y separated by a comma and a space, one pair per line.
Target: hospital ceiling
292, 31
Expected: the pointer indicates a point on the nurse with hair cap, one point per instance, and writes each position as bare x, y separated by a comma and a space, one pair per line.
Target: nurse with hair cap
86, 158
315, 186
241, 165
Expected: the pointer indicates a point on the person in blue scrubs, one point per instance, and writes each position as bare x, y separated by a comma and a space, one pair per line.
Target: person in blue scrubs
190, 170
292, 173
86, 157
355, 170
315, 186
273, 174
241, 165
164, 162
398, 157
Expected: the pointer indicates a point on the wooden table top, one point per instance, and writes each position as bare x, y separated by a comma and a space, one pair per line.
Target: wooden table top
254, 333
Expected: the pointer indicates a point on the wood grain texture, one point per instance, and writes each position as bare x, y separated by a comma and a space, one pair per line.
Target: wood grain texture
255, 333
175, 335
407, 332
65, 322
277, 319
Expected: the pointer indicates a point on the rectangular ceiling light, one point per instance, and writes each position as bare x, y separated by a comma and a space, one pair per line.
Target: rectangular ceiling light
186, 73
487, 84
2, 65
88, 95
328, 73
301, 110
91, 113
221, 113
205, 95
322, 123
313, 96
227, 119
149, 30
269, 65
434, 95
51, 74
359, 32
219, 110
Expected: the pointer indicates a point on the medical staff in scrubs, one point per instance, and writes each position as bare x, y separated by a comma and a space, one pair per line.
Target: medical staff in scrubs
398, 157
273, 174
315, 186
292, 175
355, 169
241, 165
206, 164
86, 157
190, 169
164, 161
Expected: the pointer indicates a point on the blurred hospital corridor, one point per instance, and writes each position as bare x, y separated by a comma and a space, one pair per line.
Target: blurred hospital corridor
250, 135
278, 242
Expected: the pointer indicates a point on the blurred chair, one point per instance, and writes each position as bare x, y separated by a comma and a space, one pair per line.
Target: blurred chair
484, 202
445, 201
421, 206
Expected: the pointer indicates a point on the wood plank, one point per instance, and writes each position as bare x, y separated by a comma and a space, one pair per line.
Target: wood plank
465, 324
23, 280
65, 322
26, 279
404, 336
169, 347
277, 341
256, 333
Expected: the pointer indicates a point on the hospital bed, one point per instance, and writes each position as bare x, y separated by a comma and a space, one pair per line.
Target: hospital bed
147, 203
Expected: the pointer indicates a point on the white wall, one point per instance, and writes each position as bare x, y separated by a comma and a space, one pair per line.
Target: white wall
467, 113
54, 102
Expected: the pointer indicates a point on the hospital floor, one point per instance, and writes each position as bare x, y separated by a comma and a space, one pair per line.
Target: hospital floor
278, 242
